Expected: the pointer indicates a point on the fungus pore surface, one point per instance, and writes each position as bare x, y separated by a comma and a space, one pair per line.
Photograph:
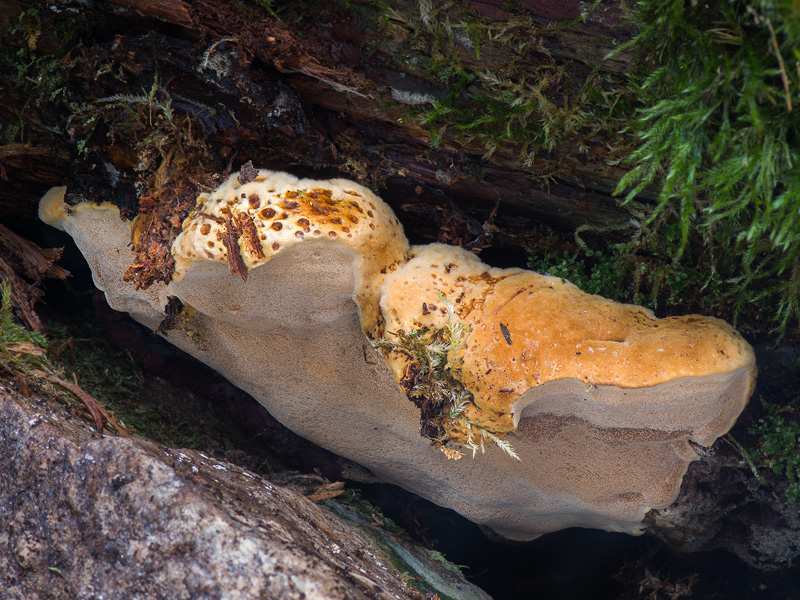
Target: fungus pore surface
305, 294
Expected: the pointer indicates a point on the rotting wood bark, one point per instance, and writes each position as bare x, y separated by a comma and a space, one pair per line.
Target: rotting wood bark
230, 238
173, 95
21, 259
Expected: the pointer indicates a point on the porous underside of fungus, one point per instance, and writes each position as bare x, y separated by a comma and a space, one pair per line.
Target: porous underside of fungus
599, 400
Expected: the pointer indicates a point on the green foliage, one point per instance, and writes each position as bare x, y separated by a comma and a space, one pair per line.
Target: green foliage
149, 406
35, 84
780, 445
368, 511
147, 117
19, 348
630, 272
525, 99
276, 8
593, 272
718, 136
706, 279
267, 6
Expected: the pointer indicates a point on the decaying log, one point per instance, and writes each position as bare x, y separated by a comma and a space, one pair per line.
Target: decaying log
145, 103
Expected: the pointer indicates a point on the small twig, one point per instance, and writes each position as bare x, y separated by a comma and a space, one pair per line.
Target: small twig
89, 402
327, 491
744, 454
784, 76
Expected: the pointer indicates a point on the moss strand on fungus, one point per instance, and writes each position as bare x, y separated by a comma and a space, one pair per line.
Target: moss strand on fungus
432, 381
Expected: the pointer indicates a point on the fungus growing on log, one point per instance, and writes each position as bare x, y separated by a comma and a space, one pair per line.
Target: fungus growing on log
247, 224
527, 331
304, 296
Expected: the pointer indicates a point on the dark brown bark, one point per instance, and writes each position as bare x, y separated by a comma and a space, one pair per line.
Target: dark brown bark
23, 265
145, 102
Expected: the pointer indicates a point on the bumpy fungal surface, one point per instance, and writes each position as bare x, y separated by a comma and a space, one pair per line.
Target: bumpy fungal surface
306, 295
246, 224
526, 330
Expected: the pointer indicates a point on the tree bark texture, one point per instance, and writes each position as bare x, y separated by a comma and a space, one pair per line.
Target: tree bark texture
93, 516
474, 120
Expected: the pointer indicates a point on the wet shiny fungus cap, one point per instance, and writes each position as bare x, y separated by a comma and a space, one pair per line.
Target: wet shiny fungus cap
246, 224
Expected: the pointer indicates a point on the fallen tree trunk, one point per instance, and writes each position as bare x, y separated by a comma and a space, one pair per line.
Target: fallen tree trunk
458, 114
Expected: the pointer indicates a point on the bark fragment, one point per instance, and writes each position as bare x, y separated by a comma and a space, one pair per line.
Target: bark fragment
21, 259
230, 238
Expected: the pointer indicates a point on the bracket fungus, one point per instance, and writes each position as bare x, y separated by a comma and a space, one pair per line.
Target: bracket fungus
307, 295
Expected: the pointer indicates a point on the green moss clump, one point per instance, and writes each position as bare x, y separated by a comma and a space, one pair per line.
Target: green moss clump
149, 406
779, 436
718, 138
432, 381
20, 349
505, 90
643, 272
593, 272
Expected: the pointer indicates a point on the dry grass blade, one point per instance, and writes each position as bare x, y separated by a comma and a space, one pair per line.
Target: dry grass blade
25, 348
98, 413
327, 491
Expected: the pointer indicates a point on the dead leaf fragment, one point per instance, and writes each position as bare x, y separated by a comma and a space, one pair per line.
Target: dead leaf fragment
327, 491
24, 348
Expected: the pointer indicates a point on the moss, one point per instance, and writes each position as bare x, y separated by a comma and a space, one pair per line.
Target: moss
779, 443
442, 560
146, 119
34, 47
145, 404
20, 349
504, 88
368, 512
391, 539
706, 278
717, 139
593, 272
432, 382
